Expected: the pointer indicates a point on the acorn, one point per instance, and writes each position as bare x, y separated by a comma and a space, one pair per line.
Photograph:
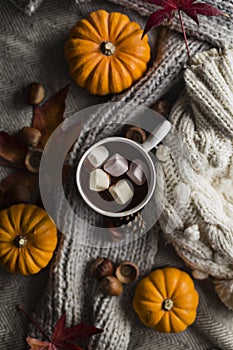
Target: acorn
101, 268
200, 275
136, 134
127, 272
162, 106
35, 94
111, 286
32, 160
30, 136
17, 194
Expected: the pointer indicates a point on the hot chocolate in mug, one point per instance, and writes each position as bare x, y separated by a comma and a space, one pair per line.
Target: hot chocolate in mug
130, 151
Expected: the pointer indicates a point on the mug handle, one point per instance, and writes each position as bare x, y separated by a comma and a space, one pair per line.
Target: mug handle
157, 135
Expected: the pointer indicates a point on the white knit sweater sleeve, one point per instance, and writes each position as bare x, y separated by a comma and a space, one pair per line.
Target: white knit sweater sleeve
200, 154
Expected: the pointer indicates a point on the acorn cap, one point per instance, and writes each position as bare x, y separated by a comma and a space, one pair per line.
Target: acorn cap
32, 160
127, 272
136, 134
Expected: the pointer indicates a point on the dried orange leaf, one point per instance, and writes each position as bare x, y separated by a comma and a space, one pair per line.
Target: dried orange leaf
47, 117
37, 344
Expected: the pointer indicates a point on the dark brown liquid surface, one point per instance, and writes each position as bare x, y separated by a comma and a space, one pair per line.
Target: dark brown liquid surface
103, 199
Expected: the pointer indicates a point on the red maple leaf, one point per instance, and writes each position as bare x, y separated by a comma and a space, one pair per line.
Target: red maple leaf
62, 338
191, 8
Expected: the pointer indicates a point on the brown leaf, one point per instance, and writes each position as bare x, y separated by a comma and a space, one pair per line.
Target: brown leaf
23, 179
47, 117
8, 164
11, 150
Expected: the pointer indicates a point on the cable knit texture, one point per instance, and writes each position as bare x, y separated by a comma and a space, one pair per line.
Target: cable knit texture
196, 160
202, 117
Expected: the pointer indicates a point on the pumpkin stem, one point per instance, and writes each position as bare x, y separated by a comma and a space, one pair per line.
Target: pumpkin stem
107, 48
167, 304
20, 241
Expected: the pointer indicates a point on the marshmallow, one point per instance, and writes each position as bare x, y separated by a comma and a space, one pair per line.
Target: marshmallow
137, 172
116, 165
122, 192
97, 156
99, 180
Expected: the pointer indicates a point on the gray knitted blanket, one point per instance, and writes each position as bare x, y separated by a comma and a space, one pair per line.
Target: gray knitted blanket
69, 287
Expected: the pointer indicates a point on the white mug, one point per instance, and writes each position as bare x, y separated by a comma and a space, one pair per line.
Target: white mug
153, 140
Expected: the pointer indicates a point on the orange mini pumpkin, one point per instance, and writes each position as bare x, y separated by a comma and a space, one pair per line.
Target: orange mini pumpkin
106, 52
28, 238
166, 300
